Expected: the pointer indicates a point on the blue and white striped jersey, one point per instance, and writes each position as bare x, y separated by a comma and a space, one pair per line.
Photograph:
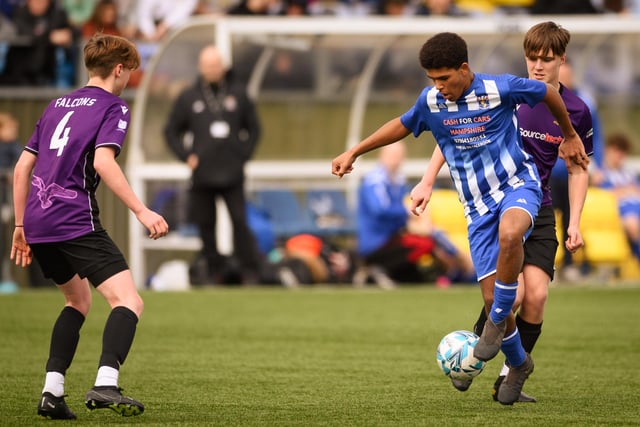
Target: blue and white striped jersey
479, 136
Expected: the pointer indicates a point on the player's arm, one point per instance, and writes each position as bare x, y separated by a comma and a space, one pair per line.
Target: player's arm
578, 184
110, 172
421, 193
20, 250
390, 132
571, 149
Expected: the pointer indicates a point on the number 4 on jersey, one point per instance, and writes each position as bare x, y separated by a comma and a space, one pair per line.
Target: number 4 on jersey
60, 137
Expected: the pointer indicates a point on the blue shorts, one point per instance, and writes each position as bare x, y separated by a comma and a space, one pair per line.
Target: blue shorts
483, 230
629, 207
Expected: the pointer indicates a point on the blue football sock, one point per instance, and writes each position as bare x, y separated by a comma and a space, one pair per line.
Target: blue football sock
503, 297
513, 350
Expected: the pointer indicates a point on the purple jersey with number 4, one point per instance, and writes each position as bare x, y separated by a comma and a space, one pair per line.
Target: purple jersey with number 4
62, 203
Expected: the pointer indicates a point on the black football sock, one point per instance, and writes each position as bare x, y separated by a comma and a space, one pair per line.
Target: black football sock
479, 326
529, 333
118, 337
64, 340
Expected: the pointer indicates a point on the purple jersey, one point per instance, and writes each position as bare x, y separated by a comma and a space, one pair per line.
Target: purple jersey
541, 134
62, 203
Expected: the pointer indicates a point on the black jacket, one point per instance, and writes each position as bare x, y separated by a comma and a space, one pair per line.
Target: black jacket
207, 113
33, 62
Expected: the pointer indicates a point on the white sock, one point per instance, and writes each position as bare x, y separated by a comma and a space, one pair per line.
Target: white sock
107, 376
54, 383
504, 371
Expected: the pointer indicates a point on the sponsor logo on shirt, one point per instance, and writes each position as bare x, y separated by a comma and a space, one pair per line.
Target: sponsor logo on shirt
541, 136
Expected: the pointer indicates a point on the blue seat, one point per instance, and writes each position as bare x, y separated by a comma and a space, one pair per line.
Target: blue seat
330, 212
285, 212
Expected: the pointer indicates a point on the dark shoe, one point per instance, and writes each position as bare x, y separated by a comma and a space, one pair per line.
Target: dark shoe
54, 408
511, 388
108, 397
461, 385
524, 397
490, 341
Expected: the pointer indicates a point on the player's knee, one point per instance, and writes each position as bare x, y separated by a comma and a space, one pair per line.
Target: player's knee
537, 298
135, 304
509, 239
82, 306
131, 301
79, 301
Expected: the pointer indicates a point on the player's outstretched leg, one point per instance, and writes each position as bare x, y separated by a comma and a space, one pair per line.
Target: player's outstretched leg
463, 385
490, 341
109, 397
511, 388
54, 408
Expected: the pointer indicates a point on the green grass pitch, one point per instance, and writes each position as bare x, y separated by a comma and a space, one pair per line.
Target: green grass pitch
329, 357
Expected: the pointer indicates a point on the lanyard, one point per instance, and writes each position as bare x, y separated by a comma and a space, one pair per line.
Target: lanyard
213, 101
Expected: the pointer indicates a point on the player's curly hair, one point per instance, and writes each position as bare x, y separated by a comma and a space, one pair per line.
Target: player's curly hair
444, 50
546, 36
103, 52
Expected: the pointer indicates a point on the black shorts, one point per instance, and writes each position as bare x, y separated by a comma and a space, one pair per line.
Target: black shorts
94, 256
541, 245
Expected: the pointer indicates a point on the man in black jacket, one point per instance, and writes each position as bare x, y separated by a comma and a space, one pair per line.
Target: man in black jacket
43, 41
214, 128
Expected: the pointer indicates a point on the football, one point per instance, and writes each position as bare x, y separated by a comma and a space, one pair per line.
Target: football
455, 355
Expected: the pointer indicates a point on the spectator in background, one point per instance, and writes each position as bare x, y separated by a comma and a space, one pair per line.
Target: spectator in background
381, 213
394, 8
49, 46
455, 264
352, 8
623, 181
562, 7
127, 18
155, 18
7, 33
104, 19
10, 147
295, 8
305, 259
252, 8
632, 7
7, 6
224, 129
559, 180
385, 244
10, 150
78, 11
438, 8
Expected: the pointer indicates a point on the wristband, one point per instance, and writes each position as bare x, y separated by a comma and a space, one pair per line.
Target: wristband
18, 226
